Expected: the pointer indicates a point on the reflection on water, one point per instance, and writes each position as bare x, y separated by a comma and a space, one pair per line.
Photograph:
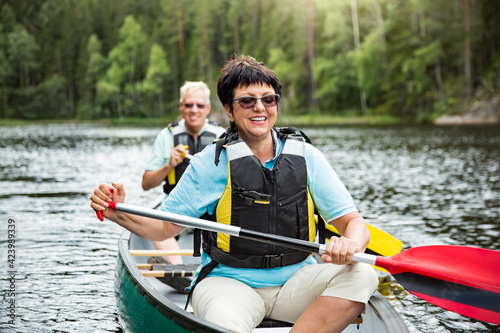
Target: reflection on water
424, 185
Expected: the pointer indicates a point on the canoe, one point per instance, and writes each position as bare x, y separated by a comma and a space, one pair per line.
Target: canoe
145, 304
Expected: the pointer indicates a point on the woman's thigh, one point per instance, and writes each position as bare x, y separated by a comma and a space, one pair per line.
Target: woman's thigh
353, 282
228, 303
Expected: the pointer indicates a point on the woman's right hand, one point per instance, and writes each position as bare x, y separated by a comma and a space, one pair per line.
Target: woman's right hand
106, 193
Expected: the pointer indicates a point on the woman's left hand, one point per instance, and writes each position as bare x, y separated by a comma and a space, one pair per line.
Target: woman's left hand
339, 250
103, 195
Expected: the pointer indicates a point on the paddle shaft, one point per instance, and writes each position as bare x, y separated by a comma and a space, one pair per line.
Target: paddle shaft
186, 221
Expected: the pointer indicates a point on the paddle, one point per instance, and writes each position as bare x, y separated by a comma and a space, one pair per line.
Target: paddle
381, 243
461, 279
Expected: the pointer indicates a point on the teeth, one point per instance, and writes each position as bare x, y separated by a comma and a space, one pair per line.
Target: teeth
258, 118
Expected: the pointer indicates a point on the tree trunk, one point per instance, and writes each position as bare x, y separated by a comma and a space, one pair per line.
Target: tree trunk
310, 53
355, 30
467, 69
439, 79
236, 34
180, 37
207, 58
380, 23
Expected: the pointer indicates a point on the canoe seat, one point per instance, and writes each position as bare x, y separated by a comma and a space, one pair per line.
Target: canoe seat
267, 323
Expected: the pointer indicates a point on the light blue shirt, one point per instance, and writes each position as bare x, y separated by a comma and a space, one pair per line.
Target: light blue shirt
203, 183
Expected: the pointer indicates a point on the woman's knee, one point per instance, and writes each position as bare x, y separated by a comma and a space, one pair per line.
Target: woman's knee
228, 303
357, 283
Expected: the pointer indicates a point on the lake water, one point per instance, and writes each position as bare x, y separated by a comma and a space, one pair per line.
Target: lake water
425, 185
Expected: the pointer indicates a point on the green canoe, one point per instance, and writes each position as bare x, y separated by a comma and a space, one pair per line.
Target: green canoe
145, 304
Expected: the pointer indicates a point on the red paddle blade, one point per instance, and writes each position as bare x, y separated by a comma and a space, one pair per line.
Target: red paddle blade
465, 280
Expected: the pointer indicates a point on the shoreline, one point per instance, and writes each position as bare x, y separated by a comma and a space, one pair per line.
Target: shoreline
476, 112
468, 119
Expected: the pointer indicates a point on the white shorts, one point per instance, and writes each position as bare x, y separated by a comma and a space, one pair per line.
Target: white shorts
234, 305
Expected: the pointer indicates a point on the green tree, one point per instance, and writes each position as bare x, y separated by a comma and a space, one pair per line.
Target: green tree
153, 85
127, 64
6, 74
95, 69
368, 61
52, 97
334, 71
21, 53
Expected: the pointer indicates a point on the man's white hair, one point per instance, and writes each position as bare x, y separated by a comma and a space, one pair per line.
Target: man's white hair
198, 85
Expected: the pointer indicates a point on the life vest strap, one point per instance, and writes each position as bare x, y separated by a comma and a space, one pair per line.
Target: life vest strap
205, 270
257, 261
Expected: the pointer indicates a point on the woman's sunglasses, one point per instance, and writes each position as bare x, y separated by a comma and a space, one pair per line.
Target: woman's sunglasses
248, 102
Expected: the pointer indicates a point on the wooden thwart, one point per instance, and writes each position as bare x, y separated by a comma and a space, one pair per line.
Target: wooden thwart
167, 266
150, 253
163, 273
167, 270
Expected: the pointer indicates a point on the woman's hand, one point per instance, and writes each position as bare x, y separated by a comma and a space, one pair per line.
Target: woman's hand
355, 237
106, 193
339, 250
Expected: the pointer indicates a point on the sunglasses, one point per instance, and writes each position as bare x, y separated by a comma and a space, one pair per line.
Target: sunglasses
191, 105
248, 102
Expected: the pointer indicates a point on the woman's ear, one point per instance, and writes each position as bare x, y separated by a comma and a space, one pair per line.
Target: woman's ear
228, 112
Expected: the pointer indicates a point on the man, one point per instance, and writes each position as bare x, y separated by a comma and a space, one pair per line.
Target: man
177, 141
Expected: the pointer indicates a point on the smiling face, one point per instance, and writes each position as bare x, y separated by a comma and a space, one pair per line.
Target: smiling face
194, 109
253, 124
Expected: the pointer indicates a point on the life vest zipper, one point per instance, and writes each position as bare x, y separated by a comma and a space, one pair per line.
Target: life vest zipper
274, 206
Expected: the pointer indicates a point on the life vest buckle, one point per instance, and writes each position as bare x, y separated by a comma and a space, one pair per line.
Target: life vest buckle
273, 261
252, 197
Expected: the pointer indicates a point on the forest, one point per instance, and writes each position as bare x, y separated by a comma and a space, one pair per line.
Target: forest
102, 59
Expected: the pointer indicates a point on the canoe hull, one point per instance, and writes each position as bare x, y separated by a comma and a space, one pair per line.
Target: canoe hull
146, 305
143, 315
142, 308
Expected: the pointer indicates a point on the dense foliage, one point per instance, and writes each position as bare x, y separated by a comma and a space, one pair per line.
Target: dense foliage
92, 59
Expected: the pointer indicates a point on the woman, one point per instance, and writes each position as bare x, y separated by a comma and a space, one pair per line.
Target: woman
269, 180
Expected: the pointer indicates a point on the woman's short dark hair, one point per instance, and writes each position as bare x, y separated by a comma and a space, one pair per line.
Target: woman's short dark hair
243, 71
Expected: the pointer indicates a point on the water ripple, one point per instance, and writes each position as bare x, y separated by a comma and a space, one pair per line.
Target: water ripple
424, 185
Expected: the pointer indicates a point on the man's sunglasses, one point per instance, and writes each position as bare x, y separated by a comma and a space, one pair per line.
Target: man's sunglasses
248, 102
191, 105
